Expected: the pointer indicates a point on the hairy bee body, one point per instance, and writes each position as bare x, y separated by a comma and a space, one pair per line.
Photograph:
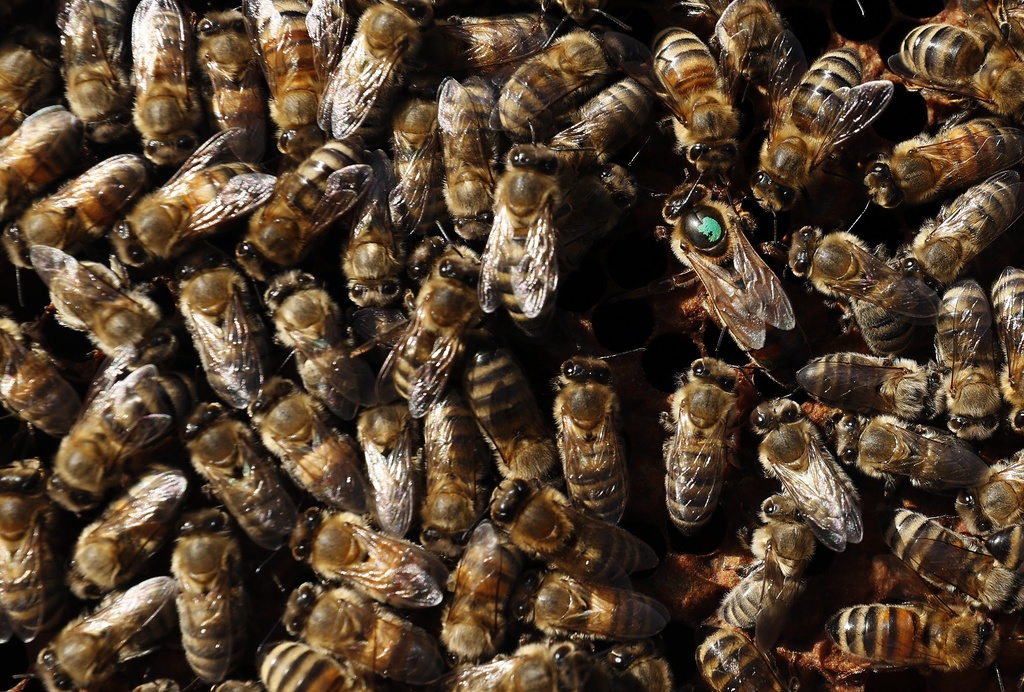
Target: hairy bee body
389, 438
746, 32
28, 63
997, 502
417, 201
295, 667
538, 667
374, 255
729, 660
1008, 312
43, 148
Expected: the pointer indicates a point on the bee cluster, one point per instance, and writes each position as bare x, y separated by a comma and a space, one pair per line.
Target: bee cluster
283, 389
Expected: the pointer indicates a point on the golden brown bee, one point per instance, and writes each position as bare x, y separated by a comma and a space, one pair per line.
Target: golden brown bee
728, 659
225, 453
95, 66
594, 205
812, 115
203, 195
240, 685
114, 549
417, 202
32, 595
388, 435
961, 154
341, 546
884, 446
161, 685
487, 45
1007, 546
305, 203
541, 522
503, 404
1008, 310
294, 667
996, 503
914, 635
538, 667
121, 417
212, 607
168, 111
28, 63
473, 626
701, 423
750, 34
363, 86
589, 438
952, 562
340, 622
81, 212
793, 452
548, 85
966, 355
308, 320
90, 648
519, 266
638, 667
43, 148
458, 486
423, 257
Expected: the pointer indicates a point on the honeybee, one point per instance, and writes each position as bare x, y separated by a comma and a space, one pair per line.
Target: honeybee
926, 167
519, 266
240, 685
340, 546
540, 667
458, 486
749, 34
728, 659
589, 438
701, 421
294, 667
793, 452
423, 257
161, 685
32, 596
541, 522
388, 437
114, 549
203, 195
43, 148
224, 452
361, 89
417, 201
212, 607
884, 446
340, 622
548, 85
558, 605
487, 45
874, 384
638, 666
914, 635
126, 625
503, 404
966, 355
308, 320
473, 626
81, 212
304, 204
168, 111
470, 152
1006, 546
28, 63
1008, 309
121, 417
995, 504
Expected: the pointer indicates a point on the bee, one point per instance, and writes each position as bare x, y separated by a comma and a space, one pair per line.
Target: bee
1006, 546
558, 605
95, 66
951, 562
363, 86
28, 62
43, 148
966, 355
967, 225
217, 305
594, 205
703, 415
115, 548
458, 486
728, 659
423, 257
541, 522
995, 504
32, 597
540, 667
519, 266
340, 546
793, 452
126, 625
487, 45
638, 666
212, 607
318, 458
224, 453
961, 154
308, 320
503, 404
203, 195
473, 625
470, 152
548, 85
304, 204
168, 111
417, 201
81, 212
388, 437
750, 35
340, 622
914, 635
884, 446
240, 685
1007, 306
589, 438
161, 685
294, 667
121, 417
874, 384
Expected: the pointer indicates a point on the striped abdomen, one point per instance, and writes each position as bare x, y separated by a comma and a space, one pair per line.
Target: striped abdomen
816, 92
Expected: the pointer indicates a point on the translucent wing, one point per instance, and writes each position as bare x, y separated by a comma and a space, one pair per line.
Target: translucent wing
327, 23
778, 592
608, 461
1001, 154
430, 379
240, 195
861, 105
353, 92
971, 330
787, 65
1009, 312
965, 212
343, 190
93, 34
330, 465
940, 461
411, 197
495, 258
342, 382
535, 278
161, 46
391, 476
395, 571
274, 39
880, 284
824, 380
706, 465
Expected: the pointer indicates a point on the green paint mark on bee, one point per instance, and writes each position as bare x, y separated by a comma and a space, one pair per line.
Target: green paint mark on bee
711, 229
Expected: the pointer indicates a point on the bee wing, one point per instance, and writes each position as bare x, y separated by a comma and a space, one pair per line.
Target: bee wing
1009, 314
778, 592
343, 382
410, 197
240, 195
65, 276
788, 66
253, 494
134, 619
458, 123
861, 105
494, 258
264, 21
940, 463
95, 32
392, 476
972, 328
824, 381
343, 190
618, 550
963, 214
84, 189
347, 102
332, 460
1003, 155
535, 278
161, 46
223, 147
221, 609
405, 574
29, 557
708, 465
476, 39
636, 60
594, 606
152, 505
430, 379
327, 23
609, 457
884, 286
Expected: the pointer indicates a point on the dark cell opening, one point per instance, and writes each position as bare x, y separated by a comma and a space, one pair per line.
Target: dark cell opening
861, 20
580, 290
66, 343
13, 662
811, 28
704, 542
920, 9
635, 260
677, 644
665, 358
905, 117
624, 325
892, 39
720, 345
821, 562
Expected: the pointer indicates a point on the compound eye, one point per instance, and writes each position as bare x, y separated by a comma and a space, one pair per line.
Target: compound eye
699, 150
205, 26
